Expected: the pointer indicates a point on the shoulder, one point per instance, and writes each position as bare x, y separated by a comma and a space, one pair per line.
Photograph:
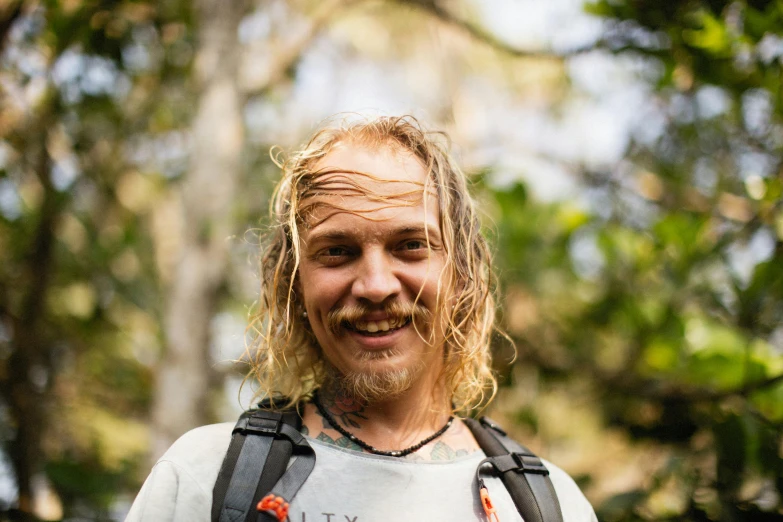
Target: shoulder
179, 487
200, 451
211, 439
573, 503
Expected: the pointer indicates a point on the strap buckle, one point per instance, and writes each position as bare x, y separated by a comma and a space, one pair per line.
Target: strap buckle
529, 464
261, 422
516, 462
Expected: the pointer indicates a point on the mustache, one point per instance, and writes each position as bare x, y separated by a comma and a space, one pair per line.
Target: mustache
394, 310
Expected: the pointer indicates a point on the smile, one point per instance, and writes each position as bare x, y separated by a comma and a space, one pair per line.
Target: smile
377, 328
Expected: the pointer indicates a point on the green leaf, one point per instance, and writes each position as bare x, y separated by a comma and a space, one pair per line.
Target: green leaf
662, 354
712, 36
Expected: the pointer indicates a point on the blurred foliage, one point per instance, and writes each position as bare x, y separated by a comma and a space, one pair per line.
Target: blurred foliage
665, 290
657, 297
79, 286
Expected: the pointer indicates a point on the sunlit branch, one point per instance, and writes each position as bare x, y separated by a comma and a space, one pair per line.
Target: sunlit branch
289, 57
444, 15
682, 395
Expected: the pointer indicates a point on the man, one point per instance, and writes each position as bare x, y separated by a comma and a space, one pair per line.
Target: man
375, 317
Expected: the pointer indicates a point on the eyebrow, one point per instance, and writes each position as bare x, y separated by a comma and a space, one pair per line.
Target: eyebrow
337, 235
340, 235
429, 231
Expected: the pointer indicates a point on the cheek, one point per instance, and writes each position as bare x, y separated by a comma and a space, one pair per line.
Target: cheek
322, 292
428, 280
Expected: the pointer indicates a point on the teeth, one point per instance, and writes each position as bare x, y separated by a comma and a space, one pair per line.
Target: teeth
379, 326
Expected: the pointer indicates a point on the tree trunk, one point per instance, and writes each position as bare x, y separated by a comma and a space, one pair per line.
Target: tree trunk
29, 378
206, 195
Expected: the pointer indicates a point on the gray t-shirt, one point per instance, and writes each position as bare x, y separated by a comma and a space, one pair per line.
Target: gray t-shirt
345, 486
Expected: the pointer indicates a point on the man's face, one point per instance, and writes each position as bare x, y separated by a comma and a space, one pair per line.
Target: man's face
365, 264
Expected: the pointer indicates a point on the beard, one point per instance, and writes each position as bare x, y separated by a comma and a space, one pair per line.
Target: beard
372, 386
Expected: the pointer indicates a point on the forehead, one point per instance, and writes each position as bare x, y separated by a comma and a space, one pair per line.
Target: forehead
371, 181
384, 162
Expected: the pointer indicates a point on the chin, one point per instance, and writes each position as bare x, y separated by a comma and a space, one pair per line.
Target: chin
375, 386
376, 375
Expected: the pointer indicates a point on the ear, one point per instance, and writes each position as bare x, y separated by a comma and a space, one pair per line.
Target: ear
297, 299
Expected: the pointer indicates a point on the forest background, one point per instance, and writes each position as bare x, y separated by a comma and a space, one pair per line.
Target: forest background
626, 155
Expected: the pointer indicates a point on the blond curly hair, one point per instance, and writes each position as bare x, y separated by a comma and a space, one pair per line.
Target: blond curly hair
284, 355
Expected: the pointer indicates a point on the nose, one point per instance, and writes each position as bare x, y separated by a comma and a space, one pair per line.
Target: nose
375, 280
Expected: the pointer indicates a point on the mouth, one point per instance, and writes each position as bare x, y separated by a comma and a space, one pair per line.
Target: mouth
377, 328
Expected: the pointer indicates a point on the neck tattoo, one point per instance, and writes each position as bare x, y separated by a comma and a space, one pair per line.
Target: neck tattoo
393, 453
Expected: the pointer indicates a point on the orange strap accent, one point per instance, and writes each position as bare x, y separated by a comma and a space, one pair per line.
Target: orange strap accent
486, 502
276, 504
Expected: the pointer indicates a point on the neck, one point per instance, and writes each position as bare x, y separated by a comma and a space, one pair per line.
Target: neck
396, 423
392, 423
421, 405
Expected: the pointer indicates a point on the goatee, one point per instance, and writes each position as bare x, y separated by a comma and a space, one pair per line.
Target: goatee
371, 387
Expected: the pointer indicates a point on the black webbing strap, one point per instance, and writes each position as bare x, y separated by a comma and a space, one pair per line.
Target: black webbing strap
524, 475
256, 462
296, 474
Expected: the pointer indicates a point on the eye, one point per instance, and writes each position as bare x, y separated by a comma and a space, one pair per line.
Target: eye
335, 251
334, 255
414, 249
414, 244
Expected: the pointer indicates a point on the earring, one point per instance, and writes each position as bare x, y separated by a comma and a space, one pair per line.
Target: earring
304, 314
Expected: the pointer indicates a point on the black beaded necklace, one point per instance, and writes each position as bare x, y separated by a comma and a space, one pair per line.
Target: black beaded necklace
371, 449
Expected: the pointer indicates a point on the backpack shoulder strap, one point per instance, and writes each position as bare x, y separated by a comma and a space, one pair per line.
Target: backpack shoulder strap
255, 482
524, 475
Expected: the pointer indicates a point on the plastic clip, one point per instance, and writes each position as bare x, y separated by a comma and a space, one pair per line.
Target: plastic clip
486, 503
276, 505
